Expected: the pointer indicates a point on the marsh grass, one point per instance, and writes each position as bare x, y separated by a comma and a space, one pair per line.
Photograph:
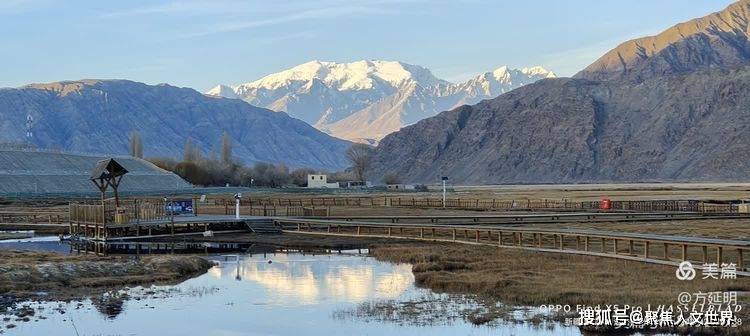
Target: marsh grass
525, 278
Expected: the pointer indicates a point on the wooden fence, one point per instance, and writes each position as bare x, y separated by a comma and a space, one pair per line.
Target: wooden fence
33, 217
484, 204
265, 210
106, 212
632, 246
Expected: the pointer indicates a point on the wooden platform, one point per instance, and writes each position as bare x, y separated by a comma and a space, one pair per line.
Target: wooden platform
169, 226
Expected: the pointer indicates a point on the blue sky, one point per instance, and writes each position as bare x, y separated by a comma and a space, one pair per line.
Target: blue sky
202, 43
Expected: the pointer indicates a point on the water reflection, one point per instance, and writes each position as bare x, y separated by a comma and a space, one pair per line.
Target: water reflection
309, 280
294, 294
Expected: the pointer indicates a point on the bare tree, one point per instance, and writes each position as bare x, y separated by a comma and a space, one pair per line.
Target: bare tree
191, 154
226, 149
359, 155
136, 146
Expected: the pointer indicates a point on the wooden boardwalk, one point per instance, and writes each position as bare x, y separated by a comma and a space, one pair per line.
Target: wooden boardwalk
165, 227
652, 248
552, 217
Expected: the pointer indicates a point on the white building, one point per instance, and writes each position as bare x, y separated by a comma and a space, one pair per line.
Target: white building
319, 181
400, 187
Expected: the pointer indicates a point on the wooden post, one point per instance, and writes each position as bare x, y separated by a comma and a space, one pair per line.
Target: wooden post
684, 252
421, 232
561, 241
705, 254
615, 243
666, 251
454, 234
719, 255
645, 249
740, 261
585, 242
630, 247
389, 231
477, 236
359, 230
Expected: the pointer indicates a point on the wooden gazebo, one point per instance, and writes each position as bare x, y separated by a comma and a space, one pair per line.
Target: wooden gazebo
108, 173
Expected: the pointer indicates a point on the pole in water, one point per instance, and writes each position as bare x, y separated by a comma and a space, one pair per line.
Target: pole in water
445, 178
237, 197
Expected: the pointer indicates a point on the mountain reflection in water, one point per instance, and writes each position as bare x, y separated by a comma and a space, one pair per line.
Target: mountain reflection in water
295, 294
301, 279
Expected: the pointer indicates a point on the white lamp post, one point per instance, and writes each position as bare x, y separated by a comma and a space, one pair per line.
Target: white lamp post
445, 179
237, 197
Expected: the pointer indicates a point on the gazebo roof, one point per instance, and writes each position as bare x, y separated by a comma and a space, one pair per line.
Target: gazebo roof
107, 169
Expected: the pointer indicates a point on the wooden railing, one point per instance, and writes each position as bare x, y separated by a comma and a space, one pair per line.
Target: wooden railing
482, 204
106, 212
265, 210
34, 217
87, 213
632, 246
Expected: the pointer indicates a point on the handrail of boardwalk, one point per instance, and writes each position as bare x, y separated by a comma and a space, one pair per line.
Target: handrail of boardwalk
33, 217
621, 245
483, 203
480, 218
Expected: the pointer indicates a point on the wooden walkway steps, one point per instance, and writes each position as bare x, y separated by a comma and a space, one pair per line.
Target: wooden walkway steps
263, 226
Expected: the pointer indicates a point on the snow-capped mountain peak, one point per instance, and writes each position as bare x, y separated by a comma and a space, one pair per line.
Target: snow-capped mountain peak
368, 99
359, 75
222, 91
500, 73
538, 71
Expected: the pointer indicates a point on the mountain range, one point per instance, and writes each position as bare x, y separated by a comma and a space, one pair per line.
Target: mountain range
366, 100
669, 107
98, 116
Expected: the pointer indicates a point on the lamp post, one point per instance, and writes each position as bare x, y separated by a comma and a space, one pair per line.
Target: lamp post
237, 197
445, 179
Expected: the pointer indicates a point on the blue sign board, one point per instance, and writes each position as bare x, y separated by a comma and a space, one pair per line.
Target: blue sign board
179, 207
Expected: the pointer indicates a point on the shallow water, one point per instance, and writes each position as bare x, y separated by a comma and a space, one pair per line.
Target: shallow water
44, 243
295, 294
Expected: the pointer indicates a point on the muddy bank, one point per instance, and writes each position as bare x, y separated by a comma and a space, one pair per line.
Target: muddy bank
25, 274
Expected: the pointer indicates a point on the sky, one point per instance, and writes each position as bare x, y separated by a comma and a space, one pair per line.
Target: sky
200, 44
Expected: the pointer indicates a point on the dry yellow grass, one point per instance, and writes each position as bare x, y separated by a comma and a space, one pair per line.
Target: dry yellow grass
724, 228
527, 278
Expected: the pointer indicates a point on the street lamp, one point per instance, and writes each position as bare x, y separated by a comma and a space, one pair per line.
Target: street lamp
237, 197
445, 179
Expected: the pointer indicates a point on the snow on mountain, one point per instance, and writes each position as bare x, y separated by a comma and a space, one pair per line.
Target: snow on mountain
222, 91
366, 100
501, 80
360, 75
